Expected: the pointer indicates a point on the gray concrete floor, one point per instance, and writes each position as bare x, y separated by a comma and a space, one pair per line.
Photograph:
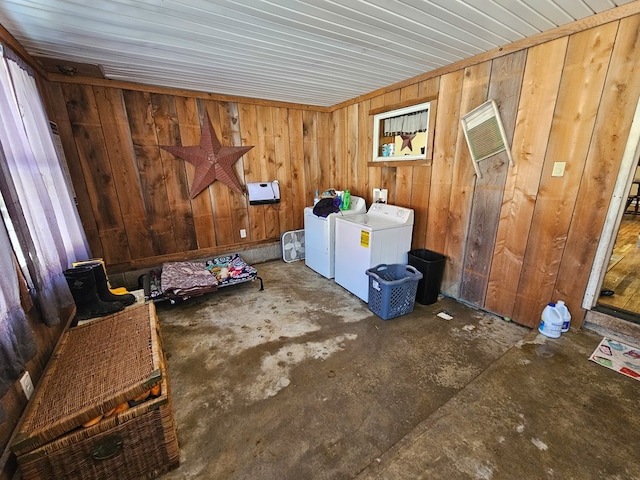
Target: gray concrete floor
302, 381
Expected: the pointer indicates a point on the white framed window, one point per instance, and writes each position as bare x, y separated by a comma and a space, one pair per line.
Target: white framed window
403, 133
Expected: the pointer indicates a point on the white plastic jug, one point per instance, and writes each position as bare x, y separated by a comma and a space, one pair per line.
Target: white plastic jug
566, 316
551, 322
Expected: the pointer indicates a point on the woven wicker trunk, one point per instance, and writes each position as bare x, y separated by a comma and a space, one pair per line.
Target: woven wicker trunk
98, 366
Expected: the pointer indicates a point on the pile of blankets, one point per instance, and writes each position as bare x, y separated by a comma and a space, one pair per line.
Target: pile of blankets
186, 279
181, 280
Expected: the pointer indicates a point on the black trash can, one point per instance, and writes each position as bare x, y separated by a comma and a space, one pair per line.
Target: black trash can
431, 265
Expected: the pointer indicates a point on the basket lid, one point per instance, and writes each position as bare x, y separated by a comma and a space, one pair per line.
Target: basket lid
97, 366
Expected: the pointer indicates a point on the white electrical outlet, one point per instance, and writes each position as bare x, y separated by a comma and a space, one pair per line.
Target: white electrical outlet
243, 233
27, 385
379, 195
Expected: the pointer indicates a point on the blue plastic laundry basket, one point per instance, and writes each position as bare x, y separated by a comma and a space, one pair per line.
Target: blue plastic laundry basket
392, 289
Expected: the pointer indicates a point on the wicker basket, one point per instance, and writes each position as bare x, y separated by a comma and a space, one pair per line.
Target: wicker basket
98, 366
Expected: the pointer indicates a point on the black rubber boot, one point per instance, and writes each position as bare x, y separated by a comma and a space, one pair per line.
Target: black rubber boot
102, 287
82, 284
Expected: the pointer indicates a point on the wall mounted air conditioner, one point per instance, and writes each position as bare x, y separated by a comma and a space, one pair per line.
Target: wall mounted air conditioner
261, 193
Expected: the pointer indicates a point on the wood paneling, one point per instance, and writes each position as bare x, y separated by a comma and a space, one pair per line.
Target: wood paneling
513, 239
505, 87
125, 171
135, 195
301, 187
585, 67
85, 120
324, 134
446, 132
312, 167
150, 171
475, 87
533, 123
363, 182
421, 176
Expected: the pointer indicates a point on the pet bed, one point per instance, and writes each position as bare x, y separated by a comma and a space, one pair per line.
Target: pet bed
177, 281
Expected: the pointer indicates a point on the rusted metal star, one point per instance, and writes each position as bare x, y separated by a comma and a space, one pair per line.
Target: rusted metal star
212, 160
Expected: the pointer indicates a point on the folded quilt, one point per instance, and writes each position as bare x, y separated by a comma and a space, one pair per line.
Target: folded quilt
183, 279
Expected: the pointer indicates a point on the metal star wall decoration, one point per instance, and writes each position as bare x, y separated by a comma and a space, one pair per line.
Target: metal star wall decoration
406, 141
212, 160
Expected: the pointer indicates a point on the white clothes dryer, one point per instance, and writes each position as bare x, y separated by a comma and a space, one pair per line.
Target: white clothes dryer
382, 235
319, 236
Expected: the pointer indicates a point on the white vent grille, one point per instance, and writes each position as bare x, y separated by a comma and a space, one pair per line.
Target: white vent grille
485, 134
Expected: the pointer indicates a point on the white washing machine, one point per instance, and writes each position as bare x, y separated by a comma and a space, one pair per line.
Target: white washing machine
319, 236
382, 235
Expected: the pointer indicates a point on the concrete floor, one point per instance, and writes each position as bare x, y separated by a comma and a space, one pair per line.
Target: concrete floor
302, 381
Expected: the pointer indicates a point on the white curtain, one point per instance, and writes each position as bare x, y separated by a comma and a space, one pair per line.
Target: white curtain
36, 176
406, 124
16, 340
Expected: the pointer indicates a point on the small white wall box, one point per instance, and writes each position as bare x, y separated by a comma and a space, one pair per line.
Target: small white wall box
262, 193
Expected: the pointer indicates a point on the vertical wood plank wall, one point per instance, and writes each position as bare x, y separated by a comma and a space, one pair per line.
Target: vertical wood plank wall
514, 240
133, 196
518, 237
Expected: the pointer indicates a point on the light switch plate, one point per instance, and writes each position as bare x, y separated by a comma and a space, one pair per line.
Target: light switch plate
558, 169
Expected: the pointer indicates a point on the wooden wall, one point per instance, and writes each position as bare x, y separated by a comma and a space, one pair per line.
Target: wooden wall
516, 238
133, 196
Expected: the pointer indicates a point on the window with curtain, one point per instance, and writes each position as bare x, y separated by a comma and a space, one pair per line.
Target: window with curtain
40, 220
402, 133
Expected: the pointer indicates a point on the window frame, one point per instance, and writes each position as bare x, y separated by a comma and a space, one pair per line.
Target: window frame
411, 106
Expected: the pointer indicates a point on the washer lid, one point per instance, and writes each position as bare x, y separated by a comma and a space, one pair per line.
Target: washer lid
371, 222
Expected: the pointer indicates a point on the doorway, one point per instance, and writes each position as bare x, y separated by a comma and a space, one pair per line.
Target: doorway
620, 291
614, 285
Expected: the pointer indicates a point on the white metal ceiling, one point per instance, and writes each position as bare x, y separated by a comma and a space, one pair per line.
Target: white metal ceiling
316, 52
